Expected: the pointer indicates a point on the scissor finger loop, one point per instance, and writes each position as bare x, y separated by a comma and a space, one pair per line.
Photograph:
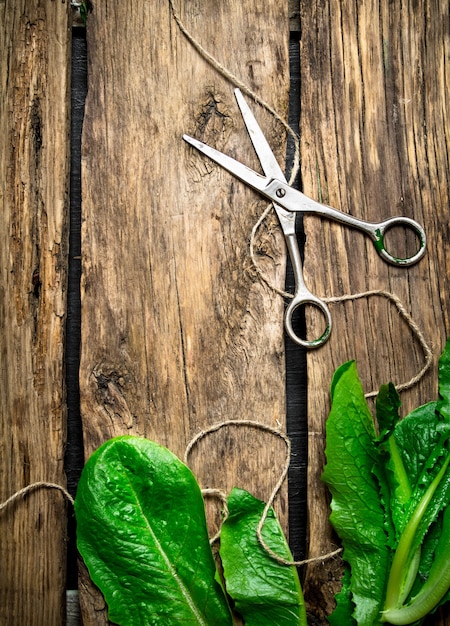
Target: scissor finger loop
377, 233
305, 298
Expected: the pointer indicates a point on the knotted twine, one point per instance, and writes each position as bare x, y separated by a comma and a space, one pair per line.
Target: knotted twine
428, 354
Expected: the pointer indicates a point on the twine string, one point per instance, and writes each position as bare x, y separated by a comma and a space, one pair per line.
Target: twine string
21, 493
277, 433
392, 297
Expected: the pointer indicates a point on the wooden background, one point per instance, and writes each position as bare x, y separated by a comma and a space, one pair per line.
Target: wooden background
34, 200
178, 331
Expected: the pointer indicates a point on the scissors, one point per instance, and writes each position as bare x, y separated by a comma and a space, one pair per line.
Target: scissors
287, 202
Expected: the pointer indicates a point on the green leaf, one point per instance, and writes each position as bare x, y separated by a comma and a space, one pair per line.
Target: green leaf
438, 580
357, 511
393, 479
431, 546
437, 464
443, 405
142, 533
416, 436
408, 469
265, 592
387, 409
343, 613
407, 548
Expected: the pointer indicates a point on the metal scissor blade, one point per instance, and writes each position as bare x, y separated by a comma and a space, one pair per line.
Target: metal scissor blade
269, 164
244, 173
268, 161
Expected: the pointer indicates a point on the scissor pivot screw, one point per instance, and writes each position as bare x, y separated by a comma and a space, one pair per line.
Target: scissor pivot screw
280, 193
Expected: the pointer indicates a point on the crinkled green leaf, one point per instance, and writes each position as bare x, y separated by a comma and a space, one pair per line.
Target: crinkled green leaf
408, 469
415, 436
265, 592
387, 407
431, 544
443, 405
439, 457
389, 488
423, 445
441, 560
142, 533
357, 513
406, 559
393, 480
437, 583
343, 613
424, 438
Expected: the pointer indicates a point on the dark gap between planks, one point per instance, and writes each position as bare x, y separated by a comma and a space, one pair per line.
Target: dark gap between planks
74, 456
296, 382
295, 355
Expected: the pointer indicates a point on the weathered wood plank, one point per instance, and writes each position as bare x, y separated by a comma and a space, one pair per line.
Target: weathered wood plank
178, 331
375, 141
34, 166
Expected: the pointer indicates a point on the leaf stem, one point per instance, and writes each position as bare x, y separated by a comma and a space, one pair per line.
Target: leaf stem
429, 596
405, 492
402, 558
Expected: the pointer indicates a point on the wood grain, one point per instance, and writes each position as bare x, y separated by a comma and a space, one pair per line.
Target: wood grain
375, 133
178, 331
34, 166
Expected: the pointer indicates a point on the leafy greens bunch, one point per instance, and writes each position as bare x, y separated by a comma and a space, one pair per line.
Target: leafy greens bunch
390, 492
141, 530
141, 526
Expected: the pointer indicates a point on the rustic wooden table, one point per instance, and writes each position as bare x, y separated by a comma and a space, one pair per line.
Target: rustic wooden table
178, 331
